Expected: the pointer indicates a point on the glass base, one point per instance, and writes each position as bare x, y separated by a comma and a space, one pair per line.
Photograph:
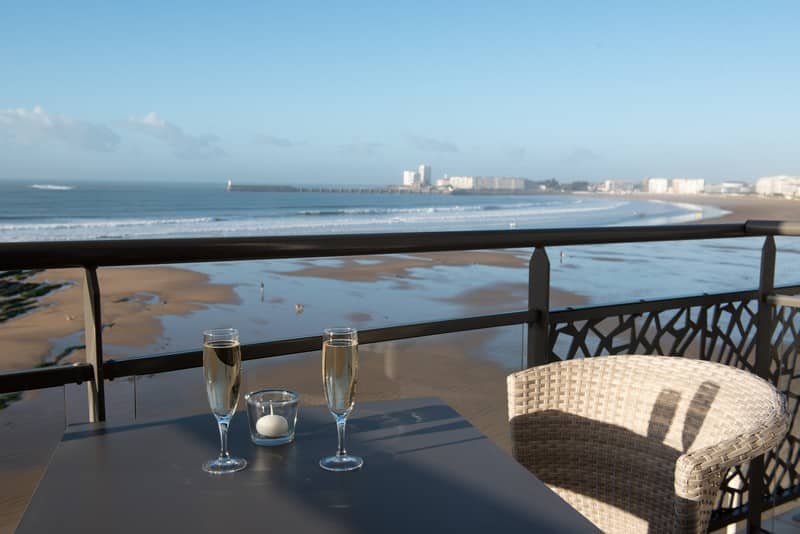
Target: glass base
222, 466
345, 462
264, 441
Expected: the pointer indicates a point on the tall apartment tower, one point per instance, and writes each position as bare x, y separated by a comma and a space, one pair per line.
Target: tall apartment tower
424, 174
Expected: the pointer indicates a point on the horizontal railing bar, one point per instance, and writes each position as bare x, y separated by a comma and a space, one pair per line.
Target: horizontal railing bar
145, 365
773, 227
106, 253
45, 377
784, 300
706, 299
610, 310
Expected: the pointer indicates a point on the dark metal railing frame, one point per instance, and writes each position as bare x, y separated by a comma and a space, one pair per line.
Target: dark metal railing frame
91, 255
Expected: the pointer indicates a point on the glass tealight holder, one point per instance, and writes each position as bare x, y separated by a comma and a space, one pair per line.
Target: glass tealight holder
272, 414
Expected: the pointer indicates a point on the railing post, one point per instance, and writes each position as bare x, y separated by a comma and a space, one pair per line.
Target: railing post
766, 285
93, 332
539, 302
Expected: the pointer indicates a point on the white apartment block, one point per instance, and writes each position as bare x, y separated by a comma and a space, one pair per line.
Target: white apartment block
410, 178
424, 174
506, 183
606, 186
614, 186
657, 185
687, 186
729, 188
462, 182
783, 185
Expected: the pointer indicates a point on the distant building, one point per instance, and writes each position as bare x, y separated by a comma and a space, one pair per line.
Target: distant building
443, 183
410, 178
614, 186
462, 182
500, 183
782, 185
729, 188
487, 183
424, 174
606, 186
656, 185
687, 186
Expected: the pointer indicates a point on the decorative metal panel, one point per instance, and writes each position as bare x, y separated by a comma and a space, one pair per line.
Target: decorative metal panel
781, 469
716, 331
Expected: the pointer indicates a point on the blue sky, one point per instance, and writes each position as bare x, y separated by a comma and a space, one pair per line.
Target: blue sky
354, 92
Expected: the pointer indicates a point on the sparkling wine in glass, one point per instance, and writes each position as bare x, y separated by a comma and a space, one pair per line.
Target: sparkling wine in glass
222, 362
339, 378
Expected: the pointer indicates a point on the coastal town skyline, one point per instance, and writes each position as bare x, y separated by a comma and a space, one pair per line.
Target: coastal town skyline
421, 180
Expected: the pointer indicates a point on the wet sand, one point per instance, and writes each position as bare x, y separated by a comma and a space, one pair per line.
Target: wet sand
133, 299
374, 268
500, 296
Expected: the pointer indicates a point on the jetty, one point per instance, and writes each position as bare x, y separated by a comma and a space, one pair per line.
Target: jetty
320, 189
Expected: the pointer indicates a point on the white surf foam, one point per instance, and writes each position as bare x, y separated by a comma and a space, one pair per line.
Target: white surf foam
51, 187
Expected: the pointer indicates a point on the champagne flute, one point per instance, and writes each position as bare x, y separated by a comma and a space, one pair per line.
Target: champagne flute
339, 377
222, 362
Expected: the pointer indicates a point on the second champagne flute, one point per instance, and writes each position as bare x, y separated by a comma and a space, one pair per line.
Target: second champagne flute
340, 377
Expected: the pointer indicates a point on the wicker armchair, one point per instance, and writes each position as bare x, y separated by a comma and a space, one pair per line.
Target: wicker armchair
640, 443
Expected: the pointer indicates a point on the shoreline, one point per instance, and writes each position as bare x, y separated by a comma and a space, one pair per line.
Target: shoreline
741, 208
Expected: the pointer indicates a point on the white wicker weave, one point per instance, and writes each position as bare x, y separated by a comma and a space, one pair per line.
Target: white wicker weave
640, 443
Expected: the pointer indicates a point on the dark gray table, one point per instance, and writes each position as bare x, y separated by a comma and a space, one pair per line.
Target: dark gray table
426, 470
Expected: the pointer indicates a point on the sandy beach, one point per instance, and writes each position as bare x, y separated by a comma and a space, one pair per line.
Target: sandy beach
741, 208
136, 302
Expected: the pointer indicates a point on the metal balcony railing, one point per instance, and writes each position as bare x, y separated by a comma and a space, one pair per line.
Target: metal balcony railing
756, 330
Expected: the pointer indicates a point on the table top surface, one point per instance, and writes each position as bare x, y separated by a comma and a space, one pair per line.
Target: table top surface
426, 469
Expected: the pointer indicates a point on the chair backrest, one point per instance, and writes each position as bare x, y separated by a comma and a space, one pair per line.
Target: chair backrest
683, 403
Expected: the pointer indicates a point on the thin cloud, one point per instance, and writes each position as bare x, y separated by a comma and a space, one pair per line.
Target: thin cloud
430, 144
183, 145
36, 126
358, 148
278, 142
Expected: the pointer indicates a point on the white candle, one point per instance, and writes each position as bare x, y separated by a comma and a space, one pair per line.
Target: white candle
272, 426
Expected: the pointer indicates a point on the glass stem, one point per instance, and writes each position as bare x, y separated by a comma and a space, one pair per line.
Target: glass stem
223, 439
340, 423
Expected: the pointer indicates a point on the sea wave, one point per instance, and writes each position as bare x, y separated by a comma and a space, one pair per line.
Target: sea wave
346, 220
539, 207
350, 219
51, 187
684, 205
106, 223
